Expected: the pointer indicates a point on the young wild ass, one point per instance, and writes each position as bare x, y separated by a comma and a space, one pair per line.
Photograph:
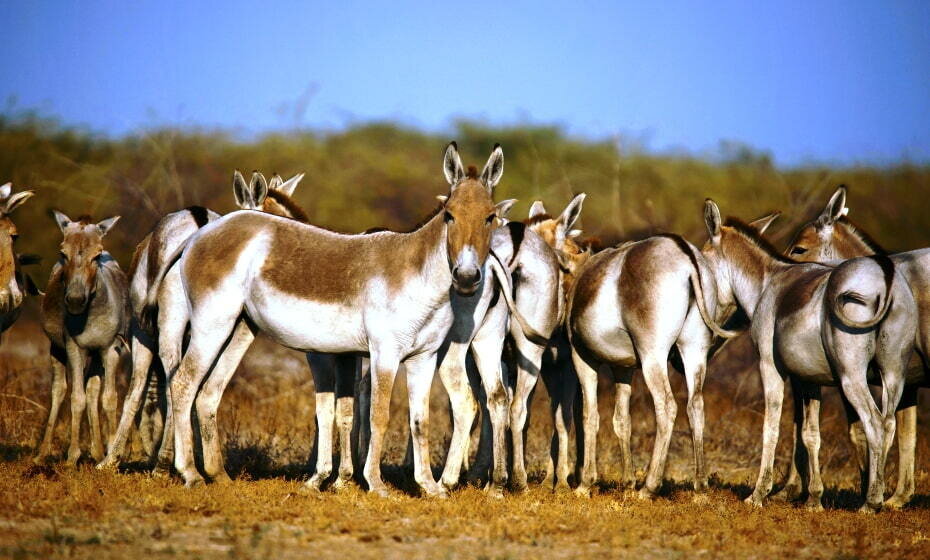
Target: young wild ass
85, 314
629, 307
14, 283
821, 324
149, 264
384, 294
832, 237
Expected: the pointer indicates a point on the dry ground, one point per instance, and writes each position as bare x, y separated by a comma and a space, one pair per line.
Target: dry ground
267, 415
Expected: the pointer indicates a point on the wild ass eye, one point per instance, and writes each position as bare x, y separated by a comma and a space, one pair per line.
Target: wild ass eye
798, 251
490, 219
448, 218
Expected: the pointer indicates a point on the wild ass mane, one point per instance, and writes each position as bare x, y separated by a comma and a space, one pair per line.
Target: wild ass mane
756, 239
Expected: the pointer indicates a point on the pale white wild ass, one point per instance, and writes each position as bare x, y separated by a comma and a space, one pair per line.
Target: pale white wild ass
385, 294
629, 307
85, 313
833, 237
821, 324
149, 265
14, 283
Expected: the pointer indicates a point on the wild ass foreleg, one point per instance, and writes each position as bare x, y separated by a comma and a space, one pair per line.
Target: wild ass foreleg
142, 346
529, 358
93, 417
324, 387
622, 424
587, 379
59, 389
463, 406
420, 371
211, 393
77, 359
562, 386
486, 350
773, 387
907, 440
795, 482
111, 366
381, 378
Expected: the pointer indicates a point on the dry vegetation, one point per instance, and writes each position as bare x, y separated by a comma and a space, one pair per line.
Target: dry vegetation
381, 174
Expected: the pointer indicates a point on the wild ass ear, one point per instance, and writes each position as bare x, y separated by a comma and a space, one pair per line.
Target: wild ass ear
258, 187
574, 233
494, 168
16, 200
764, 222
275, 182
61, 219
502, 208
288, 186
5, 190
452, 164
835, 209
242, 192
537, 209
442, 198
106, 225
712, 220
572, 212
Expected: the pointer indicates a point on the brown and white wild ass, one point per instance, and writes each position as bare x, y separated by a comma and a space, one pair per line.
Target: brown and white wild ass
821, 324
14, 283
629, 307
85, 313
833, 237
384, 294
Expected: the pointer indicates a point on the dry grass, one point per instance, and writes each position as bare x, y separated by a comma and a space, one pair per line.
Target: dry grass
268, 420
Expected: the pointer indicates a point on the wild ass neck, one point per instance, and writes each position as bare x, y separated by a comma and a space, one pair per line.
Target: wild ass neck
751, 263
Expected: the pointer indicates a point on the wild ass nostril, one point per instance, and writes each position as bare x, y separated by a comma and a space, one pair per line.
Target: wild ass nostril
468, 276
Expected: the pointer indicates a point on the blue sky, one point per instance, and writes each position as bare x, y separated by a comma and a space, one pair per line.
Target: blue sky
809, 81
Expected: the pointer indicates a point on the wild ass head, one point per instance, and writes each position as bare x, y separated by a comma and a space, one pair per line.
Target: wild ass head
11, 296
80, 258
273, 197
831, 236
558, 234
470, 214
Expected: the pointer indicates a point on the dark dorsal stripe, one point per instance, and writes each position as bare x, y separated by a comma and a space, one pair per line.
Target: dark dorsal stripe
472, 172
683, 246
199, 213
864, 237
517, 233
753, 236
296, 212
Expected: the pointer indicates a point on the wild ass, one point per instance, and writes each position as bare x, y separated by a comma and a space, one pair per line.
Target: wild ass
14, 283
821, 324
149, 263
832, 237
385, 294
629, 307
85, 313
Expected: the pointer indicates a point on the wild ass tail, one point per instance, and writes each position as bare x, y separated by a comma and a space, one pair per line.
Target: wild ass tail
865, 282
506, 286
149, 319
698, 288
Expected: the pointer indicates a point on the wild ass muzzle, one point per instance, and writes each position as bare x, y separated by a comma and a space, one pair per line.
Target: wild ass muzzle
14, 283
85, 313
383, 294
629, 307
822, 325
833, 237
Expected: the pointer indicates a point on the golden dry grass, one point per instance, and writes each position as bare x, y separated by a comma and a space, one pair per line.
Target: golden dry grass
267, 419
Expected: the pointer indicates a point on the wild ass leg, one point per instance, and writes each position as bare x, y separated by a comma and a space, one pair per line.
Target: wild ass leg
810, 434
907, 440
211, 393
361, 425
622, 424
111, 362
454, 378
324, 387
141, 362
151, 416
420, 371
693, 347
383, 372
77, 359
529, 358
587, 379
486, 350
857, 392
93, 416
563, 387
773, 387
794, 483
346, 367
655, 372
59, 389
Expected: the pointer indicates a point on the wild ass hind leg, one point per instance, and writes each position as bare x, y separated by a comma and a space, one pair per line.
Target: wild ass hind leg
420, 372
109, 399
211, 393
587, 379
59, 390
773, 387
655, 373
795, 483
529, 359
907, 440
141, 363
693, 351
810, 434
622, 423
93, 417
383, 371
454, 377
346, 367
487, 349
322, 368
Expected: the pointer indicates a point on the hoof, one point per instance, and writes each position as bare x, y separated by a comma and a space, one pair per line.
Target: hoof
494, 491
753, 501
583, 492
195, 482
106, 465
700, 499
788, 494
343, 483
700, 485
645, 494
316, 482
380, 491
896, 502
161, 472
813, 505
870, 509
41, 459
221, 478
